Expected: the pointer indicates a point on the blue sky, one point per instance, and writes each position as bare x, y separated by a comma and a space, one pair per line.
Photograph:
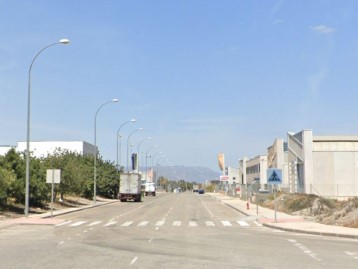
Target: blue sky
201, 77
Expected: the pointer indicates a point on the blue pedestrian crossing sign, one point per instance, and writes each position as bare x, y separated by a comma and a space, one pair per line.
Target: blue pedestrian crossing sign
274, 176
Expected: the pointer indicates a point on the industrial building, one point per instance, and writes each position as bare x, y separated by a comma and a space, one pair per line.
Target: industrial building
44, 148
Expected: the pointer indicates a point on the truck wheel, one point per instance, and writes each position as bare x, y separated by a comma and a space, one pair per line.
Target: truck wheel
153, 193
123, 200
139, 198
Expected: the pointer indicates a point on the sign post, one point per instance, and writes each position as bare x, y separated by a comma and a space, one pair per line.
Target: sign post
53, 176
274, 177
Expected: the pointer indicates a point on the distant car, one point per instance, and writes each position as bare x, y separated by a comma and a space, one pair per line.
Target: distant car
195, 190
201, 191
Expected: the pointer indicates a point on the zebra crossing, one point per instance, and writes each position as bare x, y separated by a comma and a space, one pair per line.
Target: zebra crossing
161, 223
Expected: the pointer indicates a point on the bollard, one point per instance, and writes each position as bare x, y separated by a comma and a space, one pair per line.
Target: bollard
247, 206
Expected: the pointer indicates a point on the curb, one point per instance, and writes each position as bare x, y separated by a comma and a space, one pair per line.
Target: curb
339, 235
310, 232
59, 213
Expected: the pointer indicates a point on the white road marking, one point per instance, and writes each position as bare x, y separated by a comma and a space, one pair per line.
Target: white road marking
304, 249
243, 223
258, 223
134, 260
143, 223
160, 223
177, 223
193, 224
226, 223
85, 231
210, 223
110, 223
63, 223
78, 223
211, 213
94, 223
126, 224
61, 243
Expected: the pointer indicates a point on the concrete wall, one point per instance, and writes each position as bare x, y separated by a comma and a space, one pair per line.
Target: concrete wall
335, 166
324, 165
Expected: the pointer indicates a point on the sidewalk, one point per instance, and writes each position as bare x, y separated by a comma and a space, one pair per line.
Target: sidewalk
45, 218
285, 221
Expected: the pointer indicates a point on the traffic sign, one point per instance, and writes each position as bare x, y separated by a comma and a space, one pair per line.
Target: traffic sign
224, 178
274, 176
53, 176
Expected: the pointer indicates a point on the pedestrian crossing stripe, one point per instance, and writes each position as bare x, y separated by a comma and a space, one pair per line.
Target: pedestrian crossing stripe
177, 223
143, 223
128, 223
160, 223
226, 223
110, 223
243, 223
94, 223
79, 223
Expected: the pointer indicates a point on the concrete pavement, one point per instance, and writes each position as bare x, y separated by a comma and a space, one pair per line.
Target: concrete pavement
285, 221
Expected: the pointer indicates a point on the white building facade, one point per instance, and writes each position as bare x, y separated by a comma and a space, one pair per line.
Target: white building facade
324, 165
44, 148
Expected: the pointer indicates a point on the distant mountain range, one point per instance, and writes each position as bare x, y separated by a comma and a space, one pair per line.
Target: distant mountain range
187, 173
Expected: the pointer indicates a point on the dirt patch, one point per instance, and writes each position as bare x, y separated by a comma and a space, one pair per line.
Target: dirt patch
322, 210
13, 210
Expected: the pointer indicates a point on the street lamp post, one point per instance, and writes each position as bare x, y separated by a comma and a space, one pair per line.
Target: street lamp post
147, 138
154, 156
27, 188
118, 136
95, 149
162, 157
139, 129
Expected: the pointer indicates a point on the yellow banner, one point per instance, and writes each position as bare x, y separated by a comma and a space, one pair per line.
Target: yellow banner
221, 161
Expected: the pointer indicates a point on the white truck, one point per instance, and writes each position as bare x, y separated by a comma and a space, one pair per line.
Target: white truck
149, 188
130, 187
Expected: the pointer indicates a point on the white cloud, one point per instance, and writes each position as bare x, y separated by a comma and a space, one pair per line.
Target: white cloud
323, 29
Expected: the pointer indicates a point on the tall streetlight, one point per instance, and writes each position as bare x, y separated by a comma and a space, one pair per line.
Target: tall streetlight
139, 129
119, 138
146, 160
154, 156
162, 157
138, 152
61, 41
95, 149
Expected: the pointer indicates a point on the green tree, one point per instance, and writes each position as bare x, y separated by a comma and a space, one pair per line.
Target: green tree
108, 179
14, 162
6, 179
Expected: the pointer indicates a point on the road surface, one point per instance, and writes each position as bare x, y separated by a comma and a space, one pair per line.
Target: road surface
184, 230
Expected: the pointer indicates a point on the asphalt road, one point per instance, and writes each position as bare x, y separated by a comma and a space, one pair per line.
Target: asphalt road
183, 230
